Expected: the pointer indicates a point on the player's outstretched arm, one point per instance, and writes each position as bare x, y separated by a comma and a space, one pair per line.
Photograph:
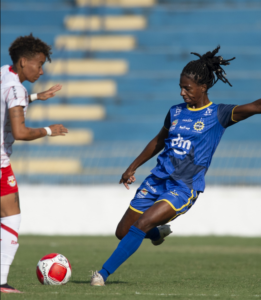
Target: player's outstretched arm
47, 94
23, 133
153, 148
243, 112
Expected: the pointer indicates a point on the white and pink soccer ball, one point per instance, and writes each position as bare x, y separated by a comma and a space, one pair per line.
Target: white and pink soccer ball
54, 269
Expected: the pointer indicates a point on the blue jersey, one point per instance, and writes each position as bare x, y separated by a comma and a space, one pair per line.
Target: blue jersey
194, 135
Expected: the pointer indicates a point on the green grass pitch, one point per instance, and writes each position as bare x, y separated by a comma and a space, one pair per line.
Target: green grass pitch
180, 268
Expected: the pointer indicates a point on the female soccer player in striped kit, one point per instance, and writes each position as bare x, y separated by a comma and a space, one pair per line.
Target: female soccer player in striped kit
28, 55
189, 137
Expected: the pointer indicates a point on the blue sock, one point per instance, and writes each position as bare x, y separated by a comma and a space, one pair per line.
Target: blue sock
127, 246
153, 234
104, 273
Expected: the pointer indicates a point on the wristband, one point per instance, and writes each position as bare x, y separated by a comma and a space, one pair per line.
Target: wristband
33, 97
49, 130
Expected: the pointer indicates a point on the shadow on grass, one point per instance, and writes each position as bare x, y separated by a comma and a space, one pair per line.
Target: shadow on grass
115, 282
88, 282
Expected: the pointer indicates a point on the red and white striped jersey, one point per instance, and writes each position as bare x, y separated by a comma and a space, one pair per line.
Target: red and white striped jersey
13, 93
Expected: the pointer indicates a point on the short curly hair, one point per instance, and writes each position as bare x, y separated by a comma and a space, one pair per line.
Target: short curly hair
27, 46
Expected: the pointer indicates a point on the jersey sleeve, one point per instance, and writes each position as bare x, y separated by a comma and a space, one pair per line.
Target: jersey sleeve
16, 96
167, 121
225, 115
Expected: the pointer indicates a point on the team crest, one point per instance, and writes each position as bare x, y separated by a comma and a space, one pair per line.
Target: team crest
11, 181
144, 191
199, 126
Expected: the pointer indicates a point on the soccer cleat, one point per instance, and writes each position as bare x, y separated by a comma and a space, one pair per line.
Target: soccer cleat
5, 288
97, 279
164, 231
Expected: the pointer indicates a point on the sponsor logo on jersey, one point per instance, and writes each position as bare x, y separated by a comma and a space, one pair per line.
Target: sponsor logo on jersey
14, 242
174, 193
187, 120
199, 126
173, 125
14, 91
151, 187
184, 127
208, 112
144, 192
178, 111
11, 181
139, 195
181, 143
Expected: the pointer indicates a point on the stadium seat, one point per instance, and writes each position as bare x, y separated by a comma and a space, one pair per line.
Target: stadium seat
87, 67
74, 138
109, 23
95, 43
47, 166
66, 112
123, 3
80, 88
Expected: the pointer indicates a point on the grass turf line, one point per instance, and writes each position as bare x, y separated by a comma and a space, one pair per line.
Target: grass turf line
180, 268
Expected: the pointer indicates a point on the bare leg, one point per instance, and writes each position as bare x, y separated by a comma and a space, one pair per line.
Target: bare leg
158, 214
10, 205
129, 218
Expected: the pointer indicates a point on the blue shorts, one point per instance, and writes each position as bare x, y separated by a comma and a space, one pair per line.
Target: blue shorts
154, 189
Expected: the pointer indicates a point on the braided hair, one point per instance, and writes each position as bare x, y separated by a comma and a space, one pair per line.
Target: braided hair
28, 46
204, 69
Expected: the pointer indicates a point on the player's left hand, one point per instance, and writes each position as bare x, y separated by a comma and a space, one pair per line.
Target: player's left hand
49, 93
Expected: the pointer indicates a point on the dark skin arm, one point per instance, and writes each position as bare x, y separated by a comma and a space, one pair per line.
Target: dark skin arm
23, 133
243, 112
153, 148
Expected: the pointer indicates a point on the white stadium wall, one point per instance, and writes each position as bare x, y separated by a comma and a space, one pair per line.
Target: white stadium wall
96, 210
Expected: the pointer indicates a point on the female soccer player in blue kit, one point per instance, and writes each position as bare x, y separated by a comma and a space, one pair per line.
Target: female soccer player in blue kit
190, 136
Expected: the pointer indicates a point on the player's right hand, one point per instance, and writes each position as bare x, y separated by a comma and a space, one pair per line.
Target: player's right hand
127, 178
58, 129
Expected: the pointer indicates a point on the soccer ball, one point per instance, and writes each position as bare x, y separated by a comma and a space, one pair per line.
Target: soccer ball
54, 269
